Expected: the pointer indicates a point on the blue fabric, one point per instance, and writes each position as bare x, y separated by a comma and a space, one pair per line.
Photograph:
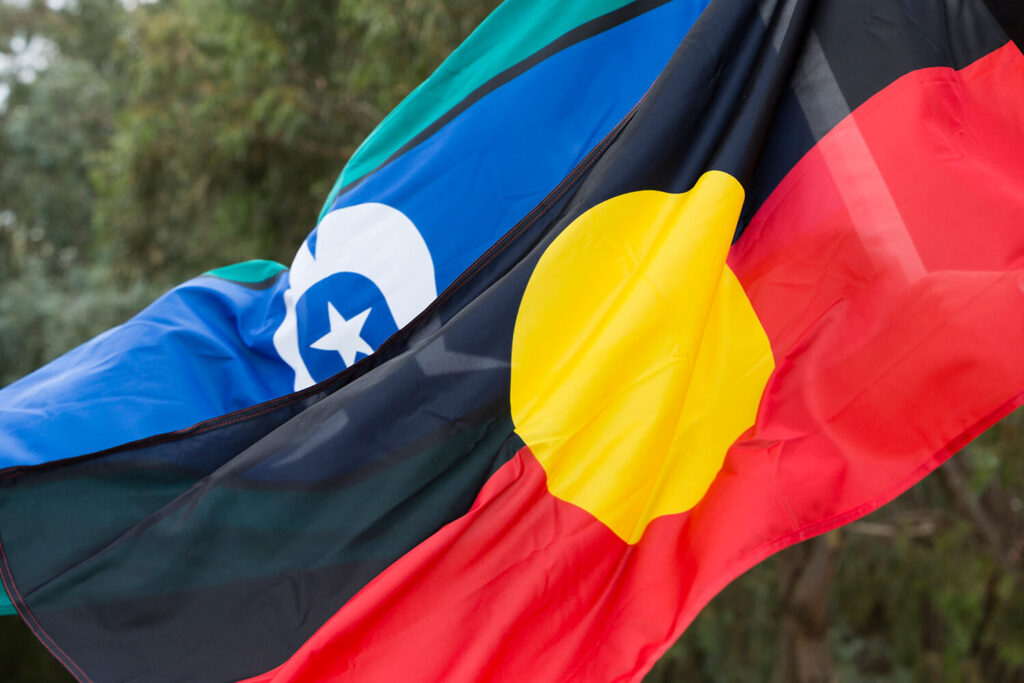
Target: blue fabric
199, 351
208, 347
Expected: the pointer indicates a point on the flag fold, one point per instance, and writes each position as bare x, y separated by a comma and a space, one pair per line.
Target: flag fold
780, 290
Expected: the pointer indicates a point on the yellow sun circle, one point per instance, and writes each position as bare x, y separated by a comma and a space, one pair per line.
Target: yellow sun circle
637, 359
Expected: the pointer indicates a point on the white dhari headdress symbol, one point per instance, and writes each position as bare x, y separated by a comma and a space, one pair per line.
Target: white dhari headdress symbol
373, 240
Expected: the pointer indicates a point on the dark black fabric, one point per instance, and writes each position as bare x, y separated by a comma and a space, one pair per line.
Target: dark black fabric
252, 568
214, 552
1011, 14
739, 110
866, 45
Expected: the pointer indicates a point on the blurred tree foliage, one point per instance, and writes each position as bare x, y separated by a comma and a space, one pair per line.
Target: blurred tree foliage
142, 145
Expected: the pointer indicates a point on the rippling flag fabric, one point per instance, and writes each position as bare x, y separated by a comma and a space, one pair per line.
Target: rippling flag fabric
541, 83
784, 288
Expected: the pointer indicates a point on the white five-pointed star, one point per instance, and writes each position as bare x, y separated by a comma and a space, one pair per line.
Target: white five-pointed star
345, 336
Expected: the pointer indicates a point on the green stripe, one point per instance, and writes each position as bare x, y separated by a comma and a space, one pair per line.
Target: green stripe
5, 604
248, 272
513, 32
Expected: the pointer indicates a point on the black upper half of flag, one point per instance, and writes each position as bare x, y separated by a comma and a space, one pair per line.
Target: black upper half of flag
755, 85
213, 553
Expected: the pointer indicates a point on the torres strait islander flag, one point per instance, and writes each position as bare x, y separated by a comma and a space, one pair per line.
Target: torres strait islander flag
503, 120
781, 290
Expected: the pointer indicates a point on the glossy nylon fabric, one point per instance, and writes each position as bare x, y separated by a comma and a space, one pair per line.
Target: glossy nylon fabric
870, 339
282, 512
795, 474
443, 410
620, 50
206, 348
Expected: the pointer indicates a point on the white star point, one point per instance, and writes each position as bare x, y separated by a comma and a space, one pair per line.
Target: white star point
345, 336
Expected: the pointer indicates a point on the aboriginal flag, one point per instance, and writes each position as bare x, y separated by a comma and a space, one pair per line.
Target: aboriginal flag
785, 287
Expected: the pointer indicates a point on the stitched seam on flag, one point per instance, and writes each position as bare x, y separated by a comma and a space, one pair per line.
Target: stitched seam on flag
574, 36
507, 240
283, 402
7, 577
570, 39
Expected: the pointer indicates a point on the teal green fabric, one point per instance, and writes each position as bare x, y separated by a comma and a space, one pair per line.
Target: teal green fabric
513, 32
5, 604
248, 271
